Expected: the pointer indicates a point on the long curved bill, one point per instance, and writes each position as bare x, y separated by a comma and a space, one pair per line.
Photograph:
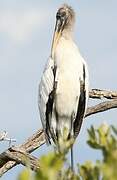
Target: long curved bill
56, 37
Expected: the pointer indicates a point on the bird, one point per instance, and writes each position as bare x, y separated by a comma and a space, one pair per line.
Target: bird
63, 89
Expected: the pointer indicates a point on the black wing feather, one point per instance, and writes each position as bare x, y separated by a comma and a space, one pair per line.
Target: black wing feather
46, 96
49, 106
81, 106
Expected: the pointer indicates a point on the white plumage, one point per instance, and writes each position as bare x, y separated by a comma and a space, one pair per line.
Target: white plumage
45, 88
63, 90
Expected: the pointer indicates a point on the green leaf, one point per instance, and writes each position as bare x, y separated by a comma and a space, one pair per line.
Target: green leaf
104, 139
25, 175
94, 144
114, 129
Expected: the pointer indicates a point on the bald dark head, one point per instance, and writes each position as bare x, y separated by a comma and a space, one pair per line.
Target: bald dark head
66, 16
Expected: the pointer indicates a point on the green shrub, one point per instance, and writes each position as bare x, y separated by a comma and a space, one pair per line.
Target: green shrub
103, 139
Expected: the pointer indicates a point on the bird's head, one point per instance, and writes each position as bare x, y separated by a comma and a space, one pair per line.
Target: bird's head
65, 18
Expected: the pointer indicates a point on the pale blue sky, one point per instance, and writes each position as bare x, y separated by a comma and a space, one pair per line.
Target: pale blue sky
26, 29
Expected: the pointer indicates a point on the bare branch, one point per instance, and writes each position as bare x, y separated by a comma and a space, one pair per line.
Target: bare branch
7, 166
101, 107
18, 155
99, 94
8, 159
21, 157
4, 137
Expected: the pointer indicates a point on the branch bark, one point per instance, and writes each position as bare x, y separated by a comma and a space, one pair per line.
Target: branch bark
99, 94
101, 107
7, 158
20, 154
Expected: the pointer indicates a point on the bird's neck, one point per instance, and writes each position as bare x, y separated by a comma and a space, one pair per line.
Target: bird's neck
67, 34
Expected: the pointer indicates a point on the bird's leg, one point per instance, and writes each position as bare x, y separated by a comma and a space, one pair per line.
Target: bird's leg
73, 116
72, 135
57, 126
72, 159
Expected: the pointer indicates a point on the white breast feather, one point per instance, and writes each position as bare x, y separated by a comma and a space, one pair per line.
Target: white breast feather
70, 71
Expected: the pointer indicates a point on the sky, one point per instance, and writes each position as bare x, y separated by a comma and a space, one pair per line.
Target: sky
26, 29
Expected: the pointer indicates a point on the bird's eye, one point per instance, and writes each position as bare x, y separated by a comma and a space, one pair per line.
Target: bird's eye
58, 16
61, 15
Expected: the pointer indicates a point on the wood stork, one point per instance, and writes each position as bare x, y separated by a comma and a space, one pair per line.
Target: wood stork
63, 90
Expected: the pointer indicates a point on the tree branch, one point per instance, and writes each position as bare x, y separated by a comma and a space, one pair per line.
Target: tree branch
20, 154
4, 137
8, 160
101, 107
99, 94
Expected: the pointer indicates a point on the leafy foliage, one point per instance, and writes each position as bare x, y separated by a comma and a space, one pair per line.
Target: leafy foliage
103, 139
51, 165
